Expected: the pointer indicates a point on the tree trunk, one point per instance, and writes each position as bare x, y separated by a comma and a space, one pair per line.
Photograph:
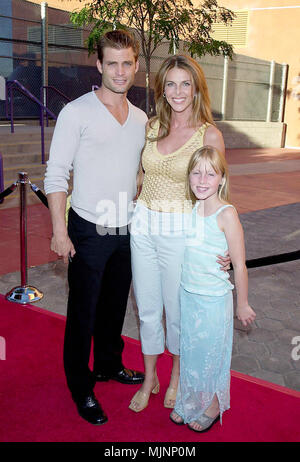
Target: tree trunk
147, 62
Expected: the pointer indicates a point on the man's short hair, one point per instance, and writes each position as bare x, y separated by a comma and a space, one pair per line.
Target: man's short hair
118, 39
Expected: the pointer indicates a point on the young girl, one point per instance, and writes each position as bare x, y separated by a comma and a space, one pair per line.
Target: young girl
206, 294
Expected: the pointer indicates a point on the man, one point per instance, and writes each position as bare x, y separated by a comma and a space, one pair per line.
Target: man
100, 135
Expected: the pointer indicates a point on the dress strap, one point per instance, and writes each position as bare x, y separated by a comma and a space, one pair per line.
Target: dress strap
205, 126
154, 128
222, 208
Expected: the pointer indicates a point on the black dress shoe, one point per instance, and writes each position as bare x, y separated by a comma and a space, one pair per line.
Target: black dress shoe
127, 376
90, 410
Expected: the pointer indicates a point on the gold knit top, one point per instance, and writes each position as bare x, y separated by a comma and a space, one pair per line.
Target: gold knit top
164, 181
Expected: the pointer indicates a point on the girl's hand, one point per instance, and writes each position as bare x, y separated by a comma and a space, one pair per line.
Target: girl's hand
245, 314
224, 261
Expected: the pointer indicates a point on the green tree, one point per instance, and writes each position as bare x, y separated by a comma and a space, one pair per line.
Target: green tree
157, 21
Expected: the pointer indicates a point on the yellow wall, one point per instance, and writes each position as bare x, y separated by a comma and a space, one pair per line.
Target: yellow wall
273, 34
66, 5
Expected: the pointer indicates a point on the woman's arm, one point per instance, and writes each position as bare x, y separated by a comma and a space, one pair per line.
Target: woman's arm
141, 173
231, 225
213, 137
139, 180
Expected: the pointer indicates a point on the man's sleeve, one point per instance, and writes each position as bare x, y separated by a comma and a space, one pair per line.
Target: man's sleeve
64, 145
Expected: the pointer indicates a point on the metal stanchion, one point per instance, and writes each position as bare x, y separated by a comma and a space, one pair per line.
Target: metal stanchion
24, 293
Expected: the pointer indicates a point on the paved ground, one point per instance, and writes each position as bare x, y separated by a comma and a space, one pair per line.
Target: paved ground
266, 191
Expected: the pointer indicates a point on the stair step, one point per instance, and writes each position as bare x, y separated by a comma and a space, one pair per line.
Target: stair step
24, 134
19, 159
21, 152
37, 180
11, 173
29, 147
27, 122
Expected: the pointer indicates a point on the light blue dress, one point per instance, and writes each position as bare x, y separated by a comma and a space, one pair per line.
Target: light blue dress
206, 321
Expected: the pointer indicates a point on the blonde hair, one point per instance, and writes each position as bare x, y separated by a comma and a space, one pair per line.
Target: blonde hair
218, 162
201, 111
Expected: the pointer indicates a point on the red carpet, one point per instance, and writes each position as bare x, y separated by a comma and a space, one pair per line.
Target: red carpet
36, 405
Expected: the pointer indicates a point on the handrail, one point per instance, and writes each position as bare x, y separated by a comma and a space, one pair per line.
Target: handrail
27, 93
15, 84
51, 87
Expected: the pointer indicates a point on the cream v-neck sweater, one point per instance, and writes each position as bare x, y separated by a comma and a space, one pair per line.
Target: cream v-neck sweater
105, 158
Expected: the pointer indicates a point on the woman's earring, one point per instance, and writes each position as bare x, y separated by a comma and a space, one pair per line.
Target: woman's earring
164, 95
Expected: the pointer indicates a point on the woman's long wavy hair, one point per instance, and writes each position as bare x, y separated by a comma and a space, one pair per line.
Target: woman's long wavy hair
201, 111
218, 162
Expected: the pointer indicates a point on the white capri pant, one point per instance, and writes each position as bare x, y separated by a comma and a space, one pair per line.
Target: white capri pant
157, 247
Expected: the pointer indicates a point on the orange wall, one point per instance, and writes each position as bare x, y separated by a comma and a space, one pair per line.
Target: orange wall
66, 5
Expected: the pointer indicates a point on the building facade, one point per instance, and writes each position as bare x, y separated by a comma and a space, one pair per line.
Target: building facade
271, 31
263, 29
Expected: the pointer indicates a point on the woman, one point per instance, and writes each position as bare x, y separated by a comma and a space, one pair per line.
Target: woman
183, 124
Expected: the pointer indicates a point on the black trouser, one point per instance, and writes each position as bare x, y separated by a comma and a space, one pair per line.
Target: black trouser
99, 282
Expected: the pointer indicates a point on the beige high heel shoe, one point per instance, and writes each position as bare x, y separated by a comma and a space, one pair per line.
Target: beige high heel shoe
141, 399
170, 396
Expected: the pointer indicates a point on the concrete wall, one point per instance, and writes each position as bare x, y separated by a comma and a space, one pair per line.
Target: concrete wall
243, 134
274, 34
